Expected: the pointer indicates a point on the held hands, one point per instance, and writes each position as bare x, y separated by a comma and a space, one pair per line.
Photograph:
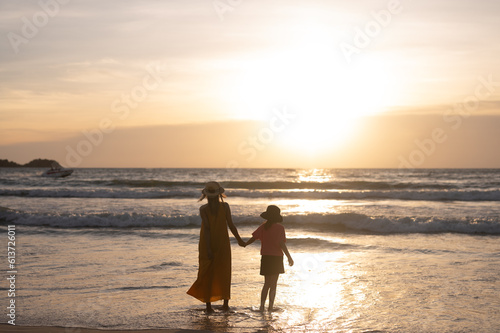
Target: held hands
242, 243
248, 242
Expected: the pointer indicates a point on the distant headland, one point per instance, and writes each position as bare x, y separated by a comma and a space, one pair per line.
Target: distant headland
38, 163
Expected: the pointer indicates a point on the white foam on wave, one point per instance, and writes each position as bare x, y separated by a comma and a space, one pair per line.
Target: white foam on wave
391, 225
97, 193
322, 222
101, 220
417, 195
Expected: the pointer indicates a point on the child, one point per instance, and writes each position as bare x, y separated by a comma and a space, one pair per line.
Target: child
272, 238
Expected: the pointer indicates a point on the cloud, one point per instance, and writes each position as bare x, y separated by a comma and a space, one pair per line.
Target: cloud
206, 145
380, 141
484, 107
91, 52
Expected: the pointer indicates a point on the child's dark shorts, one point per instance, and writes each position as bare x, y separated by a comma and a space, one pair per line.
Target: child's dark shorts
270, 265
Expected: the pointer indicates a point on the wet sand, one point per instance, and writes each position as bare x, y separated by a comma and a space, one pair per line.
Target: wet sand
7, 328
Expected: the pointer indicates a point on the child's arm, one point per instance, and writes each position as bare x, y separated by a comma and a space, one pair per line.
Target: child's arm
250, 241
285, 250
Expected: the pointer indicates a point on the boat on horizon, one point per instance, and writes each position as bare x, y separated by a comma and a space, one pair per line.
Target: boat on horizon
57, 171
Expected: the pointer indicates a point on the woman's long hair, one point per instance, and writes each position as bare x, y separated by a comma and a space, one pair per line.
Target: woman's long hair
213, 202
221, 196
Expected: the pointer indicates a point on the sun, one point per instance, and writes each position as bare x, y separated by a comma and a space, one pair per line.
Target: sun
326, 94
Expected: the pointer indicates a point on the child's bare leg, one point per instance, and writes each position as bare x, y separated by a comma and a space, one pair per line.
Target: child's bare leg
273, 283
225, 307
263, 294
209, 307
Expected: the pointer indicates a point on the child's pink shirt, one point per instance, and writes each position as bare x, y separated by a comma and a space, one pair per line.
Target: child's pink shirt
270, 239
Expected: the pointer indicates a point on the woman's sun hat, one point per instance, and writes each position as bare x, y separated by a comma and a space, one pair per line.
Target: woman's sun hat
273, 213
213, 189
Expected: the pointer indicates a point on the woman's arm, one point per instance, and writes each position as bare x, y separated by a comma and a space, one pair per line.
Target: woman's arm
231, 225
285, 250
206, 233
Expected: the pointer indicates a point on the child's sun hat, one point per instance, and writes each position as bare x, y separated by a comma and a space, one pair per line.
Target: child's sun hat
273, 213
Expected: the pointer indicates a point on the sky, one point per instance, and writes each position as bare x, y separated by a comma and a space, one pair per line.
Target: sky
238, 83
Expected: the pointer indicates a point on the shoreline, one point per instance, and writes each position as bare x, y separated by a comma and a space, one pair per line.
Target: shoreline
7, 328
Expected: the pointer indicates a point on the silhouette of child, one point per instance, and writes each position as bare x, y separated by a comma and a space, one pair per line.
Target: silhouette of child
272, 237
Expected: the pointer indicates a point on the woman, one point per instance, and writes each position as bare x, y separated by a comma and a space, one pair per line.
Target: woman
214, 272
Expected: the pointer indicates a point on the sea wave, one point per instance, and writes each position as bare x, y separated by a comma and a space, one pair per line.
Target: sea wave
427, 195
330, 223
279, 185
396, 225
338, 185
151, 183
247, 185
314, 242
96, 220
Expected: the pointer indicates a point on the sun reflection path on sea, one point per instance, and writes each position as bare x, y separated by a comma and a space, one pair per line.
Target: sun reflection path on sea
321, 292
315, 175
304, 206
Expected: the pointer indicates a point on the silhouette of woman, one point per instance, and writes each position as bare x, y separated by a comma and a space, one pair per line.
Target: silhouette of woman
214, 273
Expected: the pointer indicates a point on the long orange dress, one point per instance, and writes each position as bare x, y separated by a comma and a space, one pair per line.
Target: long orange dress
214, 276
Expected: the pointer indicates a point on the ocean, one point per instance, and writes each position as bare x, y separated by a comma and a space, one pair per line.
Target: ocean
375, 250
